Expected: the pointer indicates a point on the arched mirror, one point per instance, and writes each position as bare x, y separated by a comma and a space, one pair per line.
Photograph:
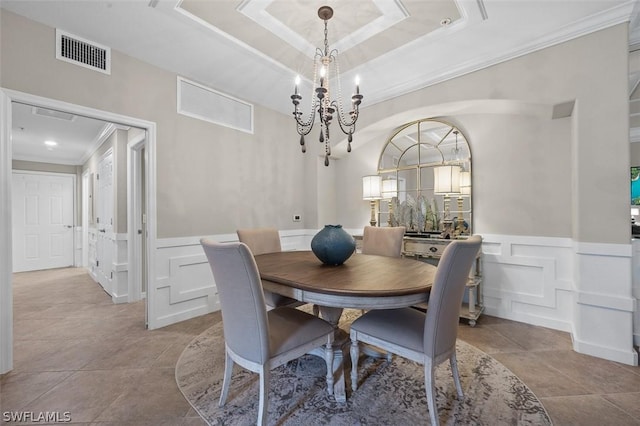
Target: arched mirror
426, 180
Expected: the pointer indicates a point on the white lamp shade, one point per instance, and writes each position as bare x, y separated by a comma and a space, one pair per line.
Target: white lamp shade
389, 188
371, 186
446, 179
465, 183
635, 211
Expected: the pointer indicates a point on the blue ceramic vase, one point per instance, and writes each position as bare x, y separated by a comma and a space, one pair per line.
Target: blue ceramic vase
333, 245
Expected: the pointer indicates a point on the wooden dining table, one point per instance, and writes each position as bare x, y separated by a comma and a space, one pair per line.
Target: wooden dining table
362, 282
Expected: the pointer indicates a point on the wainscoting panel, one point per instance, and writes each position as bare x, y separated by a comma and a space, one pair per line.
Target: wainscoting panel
635, 274
184, 283
604, 309
185, 269
528, 279
77, 246
120, 269
581, 288
91, 250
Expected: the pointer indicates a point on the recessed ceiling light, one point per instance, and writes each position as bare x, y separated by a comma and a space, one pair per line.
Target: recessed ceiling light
445, 21
50, 143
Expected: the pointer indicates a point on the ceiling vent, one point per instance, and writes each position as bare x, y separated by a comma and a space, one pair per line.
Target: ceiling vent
204, 103
52, 113
82, 52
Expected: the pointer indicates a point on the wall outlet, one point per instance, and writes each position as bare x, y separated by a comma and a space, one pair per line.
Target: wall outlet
297, 218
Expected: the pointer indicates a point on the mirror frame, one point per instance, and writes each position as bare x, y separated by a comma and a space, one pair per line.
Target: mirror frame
416, 205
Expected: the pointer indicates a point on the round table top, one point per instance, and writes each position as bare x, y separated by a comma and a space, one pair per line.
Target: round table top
361, 275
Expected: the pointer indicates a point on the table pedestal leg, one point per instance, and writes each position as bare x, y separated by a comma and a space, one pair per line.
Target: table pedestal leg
332, 315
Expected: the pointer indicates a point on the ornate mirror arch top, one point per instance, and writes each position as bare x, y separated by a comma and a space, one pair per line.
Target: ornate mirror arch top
412, 164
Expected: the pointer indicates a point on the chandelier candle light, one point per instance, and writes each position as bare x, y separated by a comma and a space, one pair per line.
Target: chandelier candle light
325, 61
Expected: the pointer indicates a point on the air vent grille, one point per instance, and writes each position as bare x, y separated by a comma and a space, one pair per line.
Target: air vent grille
52, 113
204, 103
82, 52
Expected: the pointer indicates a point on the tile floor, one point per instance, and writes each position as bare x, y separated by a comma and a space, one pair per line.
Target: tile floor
75, 351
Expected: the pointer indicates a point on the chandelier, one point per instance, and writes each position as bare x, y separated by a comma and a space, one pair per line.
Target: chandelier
325, 63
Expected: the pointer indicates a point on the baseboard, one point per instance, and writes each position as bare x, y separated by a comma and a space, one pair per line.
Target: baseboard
629, 357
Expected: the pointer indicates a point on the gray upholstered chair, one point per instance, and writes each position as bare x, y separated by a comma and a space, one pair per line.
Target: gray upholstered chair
385, 241
430, 338
257, 339
261, 241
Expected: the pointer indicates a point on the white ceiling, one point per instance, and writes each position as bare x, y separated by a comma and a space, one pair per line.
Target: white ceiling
76, 136
253, 49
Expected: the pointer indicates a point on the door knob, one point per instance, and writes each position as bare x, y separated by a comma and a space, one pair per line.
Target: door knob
68, 226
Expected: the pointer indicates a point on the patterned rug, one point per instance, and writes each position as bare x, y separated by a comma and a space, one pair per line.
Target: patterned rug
389, 393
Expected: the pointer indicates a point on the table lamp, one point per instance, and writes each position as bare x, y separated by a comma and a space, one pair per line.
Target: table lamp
371, 191
389, 191
446, 182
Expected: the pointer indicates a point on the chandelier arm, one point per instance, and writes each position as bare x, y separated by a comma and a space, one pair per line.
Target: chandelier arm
342, 120
347, 129
311, 117
304, 129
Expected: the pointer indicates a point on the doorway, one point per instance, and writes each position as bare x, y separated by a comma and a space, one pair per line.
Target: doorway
7, 97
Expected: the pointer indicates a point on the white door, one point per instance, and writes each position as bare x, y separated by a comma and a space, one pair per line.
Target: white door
104, 222
42, 221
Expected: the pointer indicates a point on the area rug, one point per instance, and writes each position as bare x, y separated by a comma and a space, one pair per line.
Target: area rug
388, 393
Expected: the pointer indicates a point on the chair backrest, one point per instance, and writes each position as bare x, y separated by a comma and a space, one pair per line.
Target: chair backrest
260, 240
244, 315
385, 241
443, 313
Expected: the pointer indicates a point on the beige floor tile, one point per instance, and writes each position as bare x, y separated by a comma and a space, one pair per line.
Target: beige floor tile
193, 421
544, 380
487, 339
86, 394
586, 410
485, 320
598, 375
627, 402
136, 352
531, 337
61, 355
177, 421
19, 389
170, 356
145, 401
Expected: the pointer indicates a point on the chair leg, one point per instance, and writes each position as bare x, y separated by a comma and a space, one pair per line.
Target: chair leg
355, 354
456, 375
328, 357
228, 369
263, 408
431, 391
